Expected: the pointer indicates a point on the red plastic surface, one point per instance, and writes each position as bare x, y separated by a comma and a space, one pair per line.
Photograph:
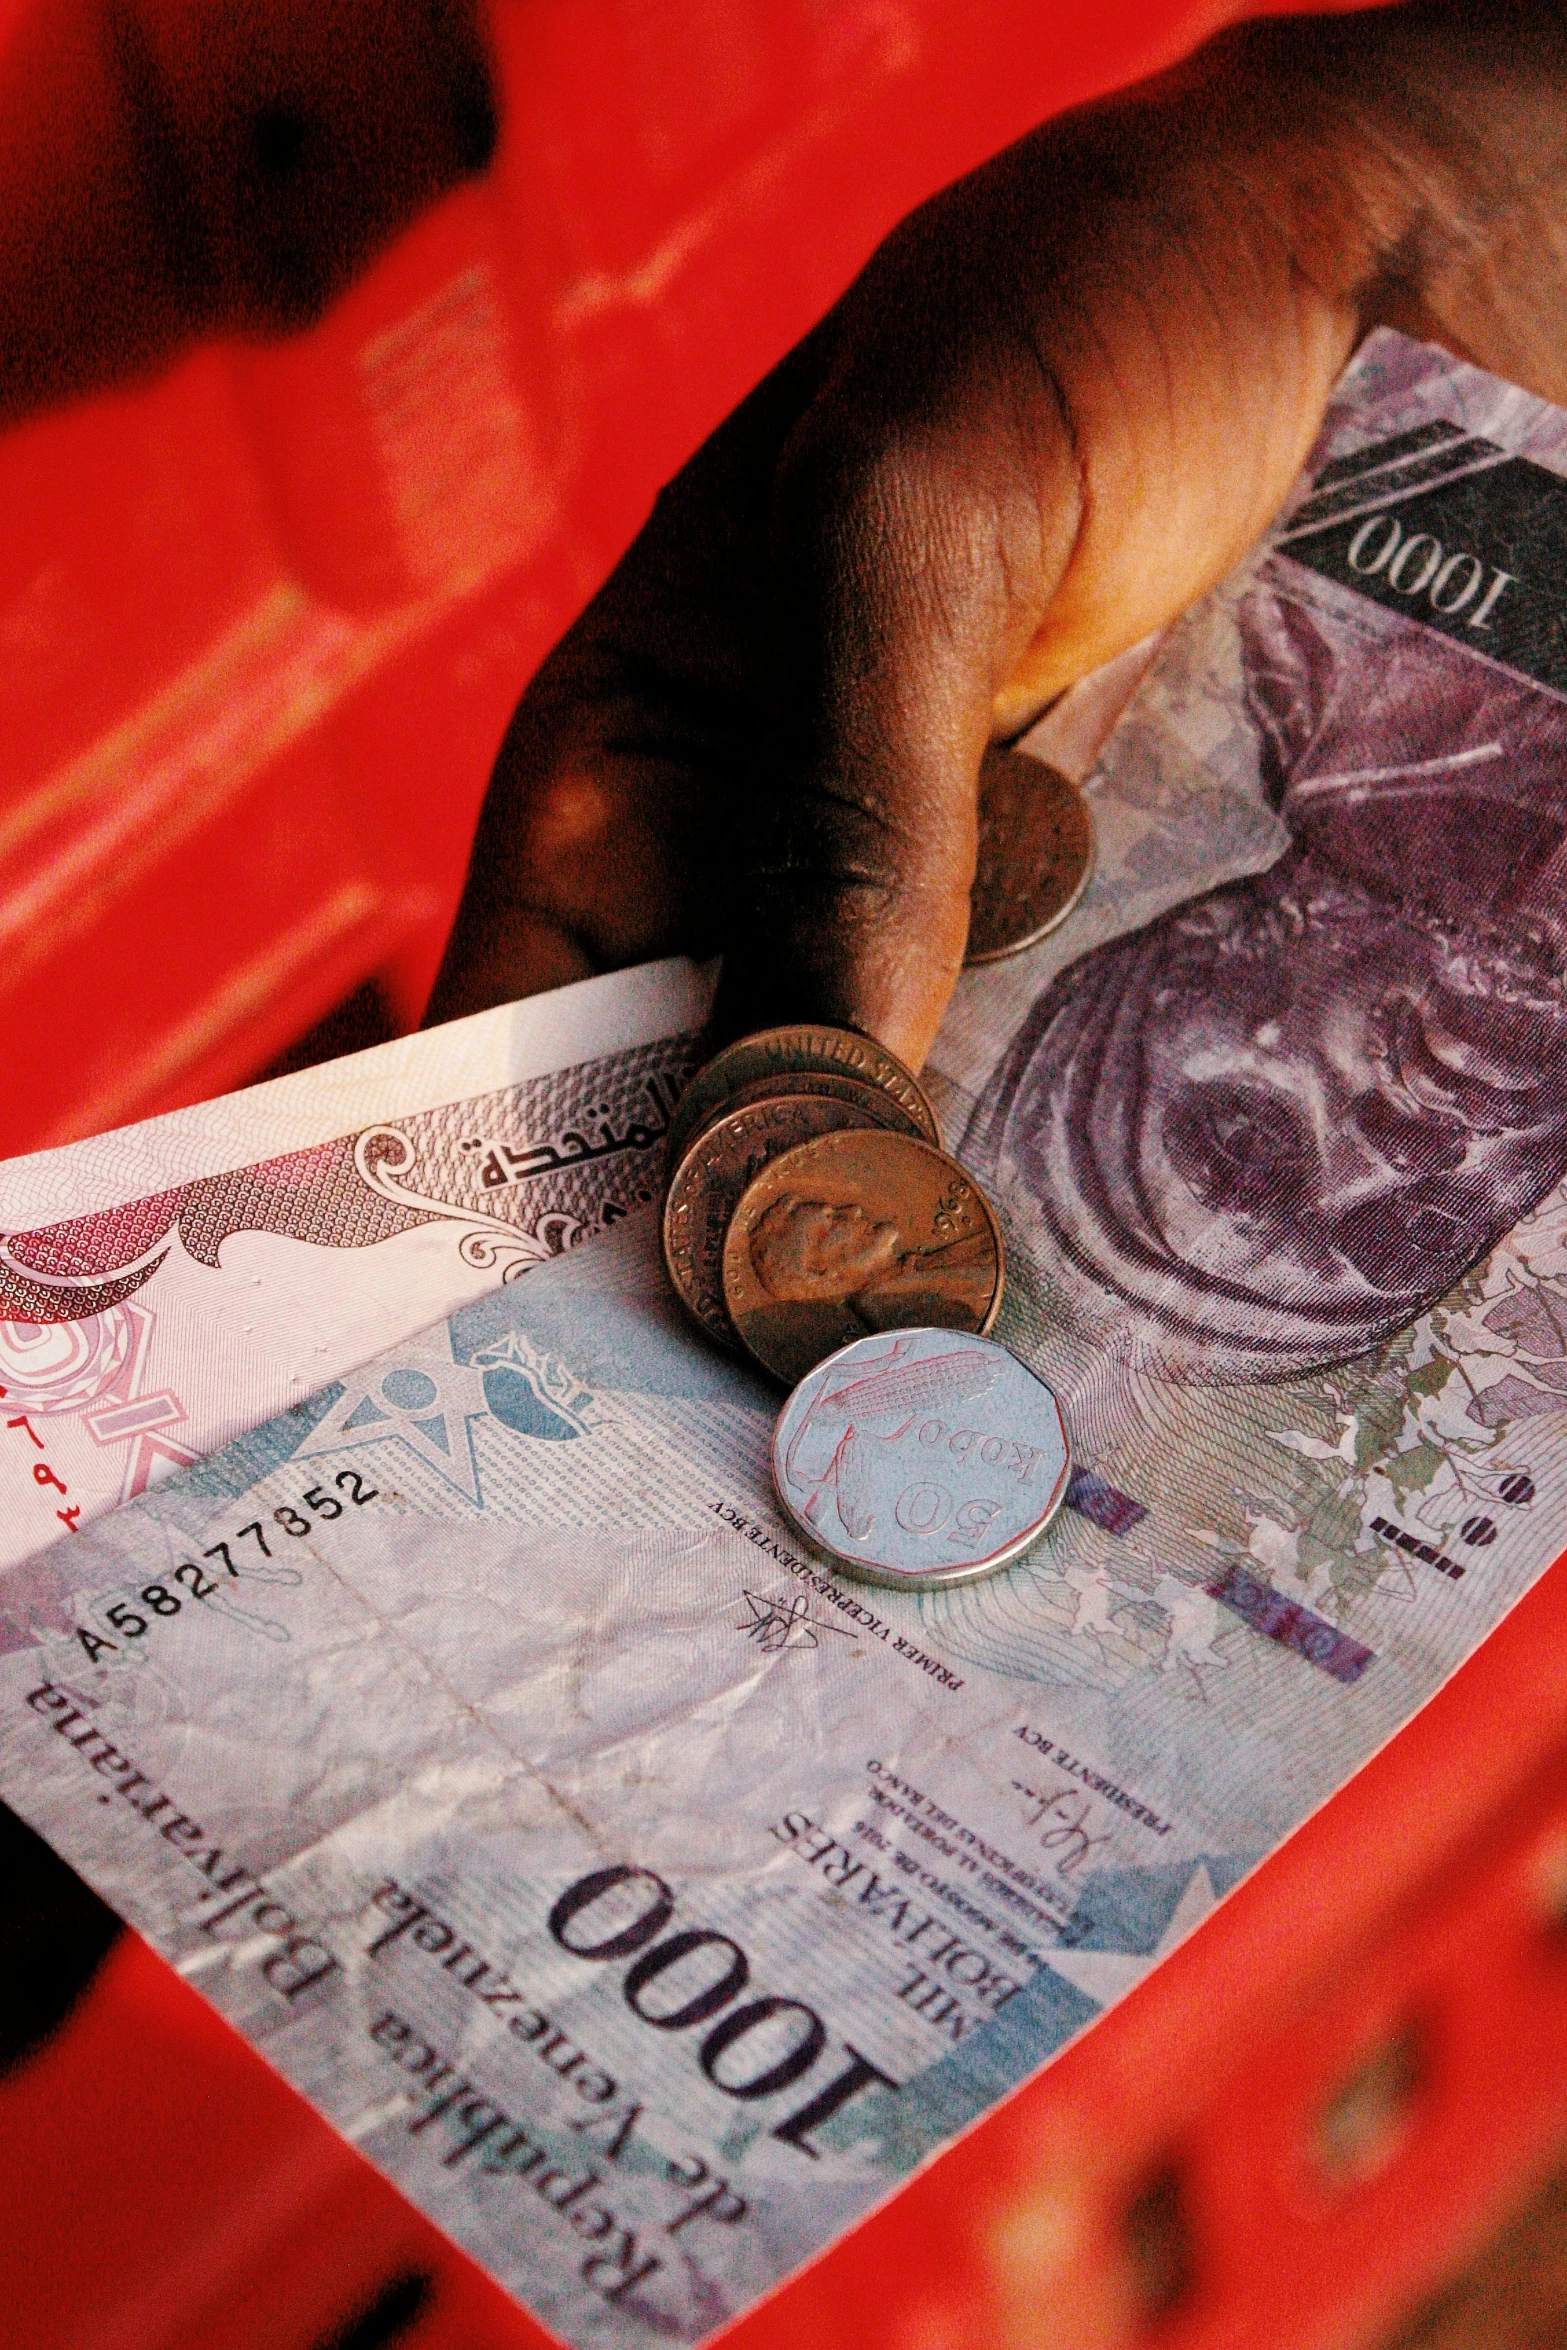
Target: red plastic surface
261, 625
1427, 1900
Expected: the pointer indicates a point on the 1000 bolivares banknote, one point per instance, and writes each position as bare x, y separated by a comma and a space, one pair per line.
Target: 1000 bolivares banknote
645, 1899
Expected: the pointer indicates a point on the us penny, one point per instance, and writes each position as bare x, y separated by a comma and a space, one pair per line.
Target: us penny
858, 1232
922, 1458
1036, 852
878, 1106
725, 1157
783, 1053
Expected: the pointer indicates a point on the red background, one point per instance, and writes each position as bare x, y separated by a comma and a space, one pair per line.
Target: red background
261, 627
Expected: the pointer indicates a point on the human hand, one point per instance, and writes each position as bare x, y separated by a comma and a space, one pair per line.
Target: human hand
1060, 403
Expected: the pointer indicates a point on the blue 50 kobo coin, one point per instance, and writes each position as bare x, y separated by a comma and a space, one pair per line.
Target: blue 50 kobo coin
921, 1457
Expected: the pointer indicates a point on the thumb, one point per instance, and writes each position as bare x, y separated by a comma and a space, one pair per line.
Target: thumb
911, 561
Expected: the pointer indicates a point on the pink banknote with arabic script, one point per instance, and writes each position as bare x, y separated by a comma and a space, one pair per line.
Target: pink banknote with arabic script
165, 1288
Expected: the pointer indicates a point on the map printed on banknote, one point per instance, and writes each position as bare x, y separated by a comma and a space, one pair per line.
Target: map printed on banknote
164, 1288
643, 1898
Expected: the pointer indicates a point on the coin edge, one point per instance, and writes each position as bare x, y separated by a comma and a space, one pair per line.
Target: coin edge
821, 1027
728, 1337
1047, 929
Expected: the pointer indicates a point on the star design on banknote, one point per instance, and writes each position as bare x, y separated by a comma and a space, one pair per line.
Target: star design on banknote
429, 1406
1105, 1974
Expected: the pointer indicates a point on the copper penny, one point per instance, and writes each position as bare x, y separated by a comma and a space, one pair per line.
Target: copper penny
781, 1054
879, 1106
725, 1157
1036, 852
858, 1232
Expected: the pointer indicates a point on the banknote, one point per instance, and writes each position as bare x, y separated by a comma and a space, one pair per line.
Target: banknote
167, 1286
648, 1901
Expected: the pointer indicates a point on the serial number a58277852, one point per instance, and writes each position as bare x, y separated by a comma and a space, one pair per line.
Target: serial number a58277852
124, 1617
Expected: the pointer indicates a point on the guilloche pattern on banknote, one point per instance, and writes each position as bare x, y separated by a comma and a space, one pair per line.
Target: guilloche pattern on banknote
480, 1740
643, 1898
135, 1338
1303, 1135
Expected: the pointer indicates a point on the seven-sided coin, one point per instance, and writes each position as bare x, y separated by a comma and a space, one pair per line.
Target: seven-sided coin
921, 1457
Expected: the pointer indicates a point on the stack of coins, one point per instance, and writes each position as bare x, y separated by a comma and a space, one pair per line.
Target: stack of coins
809, 1203
812, 1218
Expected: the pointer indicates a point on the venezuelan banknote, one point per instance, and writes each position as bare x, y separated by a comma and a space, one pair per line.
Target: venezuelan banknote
164, 1287
646, 1899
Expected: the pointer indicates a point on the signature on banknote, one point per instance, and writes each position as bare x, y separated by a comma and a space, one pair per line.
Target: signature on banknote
1063, 1816
782, 1619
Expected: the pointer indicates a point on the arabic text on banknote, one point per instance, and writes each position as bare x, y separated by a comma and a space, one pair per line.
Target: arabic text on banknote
646, 1900
202, 1272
